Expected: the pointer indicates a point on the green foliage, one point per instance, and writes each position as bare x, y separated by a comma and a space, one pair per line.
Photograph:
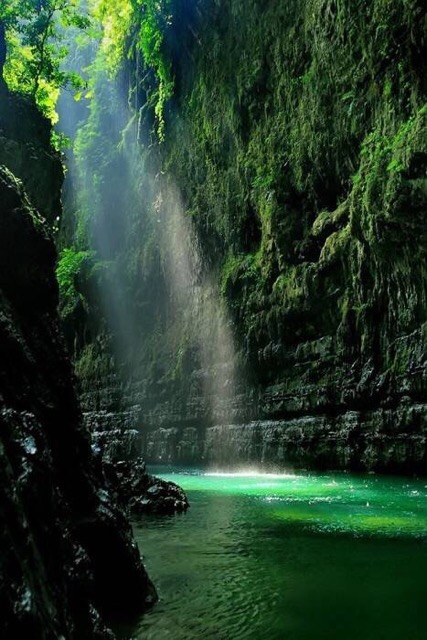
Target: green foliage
116, 19
244, 267
289, 101
35, 48
133, 27
69, 267
60, 141
38, 35
384, 159
156, 17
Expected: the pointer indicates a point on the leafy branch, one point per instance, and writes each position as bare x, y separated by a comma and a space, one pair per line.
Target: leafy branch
35, 33
156, 17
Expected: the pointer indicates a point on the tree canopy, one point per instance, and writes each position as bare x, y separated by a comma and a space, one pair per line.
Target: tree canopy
34, 47
39, 33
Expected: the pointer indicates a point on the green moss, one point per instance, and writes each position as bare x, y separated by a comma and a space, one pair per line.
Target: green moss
297, 145
336, 246
92, 365
69, 268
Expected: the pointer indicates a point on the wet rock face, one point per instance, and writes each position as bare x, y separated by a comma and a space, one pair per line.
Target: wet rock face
385, 440
118, 455
68, 562
305, 179
117, 444
139, 492
328, 300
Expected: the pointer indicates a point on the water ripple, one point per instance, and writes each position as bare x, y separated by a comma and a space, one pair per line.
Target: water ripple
319, 556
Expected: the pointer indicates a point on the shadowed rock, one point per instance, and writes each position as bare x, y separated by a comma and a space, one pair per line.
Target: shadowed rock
68, 561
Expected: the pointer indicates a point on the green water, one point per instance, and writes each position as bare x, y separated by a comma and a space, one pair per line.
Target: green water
305, 557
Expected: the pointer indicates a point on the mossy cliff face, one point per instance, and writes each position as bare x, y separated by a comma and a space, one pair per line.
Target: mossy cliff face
297, 142
68, 561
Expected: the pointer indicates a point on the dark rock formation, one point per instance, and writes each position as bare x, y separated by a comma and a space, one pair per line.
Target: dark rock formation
68, 561
117, 452
139, 492
25, 150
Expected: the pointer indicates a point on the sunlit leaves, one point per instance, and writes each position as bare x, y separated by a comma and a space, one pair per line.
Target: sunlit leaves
115, 17
69, 266
155, 19
37, 30
35, 47
133, 27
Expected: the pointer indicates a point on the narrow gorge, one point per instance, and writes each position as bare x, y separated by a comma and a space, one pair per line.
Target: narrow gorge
213, 274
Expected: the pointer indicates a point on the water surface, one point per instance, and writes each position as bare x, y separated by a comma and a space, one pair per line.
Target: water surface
292, 557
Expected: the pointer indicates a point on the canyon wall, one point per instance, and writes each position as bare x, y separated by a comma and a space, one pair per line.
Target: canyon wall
287, 204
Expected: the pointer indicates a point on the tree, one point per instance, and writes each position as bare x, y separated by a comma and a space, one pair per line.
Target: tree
34, 40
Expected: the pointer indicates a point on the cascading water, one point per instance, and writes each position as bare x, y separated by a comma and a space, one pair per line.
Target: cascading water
133, 219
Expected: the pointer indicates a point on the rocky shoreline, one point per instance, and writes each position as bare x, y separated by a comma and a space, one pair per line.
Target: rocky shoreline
117, 454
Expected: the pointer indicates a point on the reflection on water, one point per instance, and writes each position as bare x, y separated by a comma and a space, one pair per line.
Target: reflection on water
296, 557
247, 474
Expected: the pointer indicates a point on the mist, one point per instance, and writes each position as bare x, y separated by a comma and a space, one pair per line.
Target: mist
151, 276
